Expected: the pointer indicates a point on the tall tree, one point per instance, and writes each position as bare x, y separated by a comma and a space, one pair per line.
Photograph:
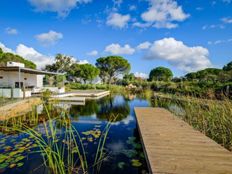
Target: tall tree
206, 74
111, 67
228, 67
160, 74
129, 77
62, 64
87, 72
6, 57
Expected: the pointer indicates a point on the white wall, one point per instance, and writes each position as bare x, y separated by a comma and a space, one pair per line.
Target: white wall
9, 79
17, 93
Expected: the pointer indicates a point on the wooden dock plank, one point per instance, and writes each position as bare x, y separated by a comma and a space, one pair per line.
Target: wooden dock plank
174, 147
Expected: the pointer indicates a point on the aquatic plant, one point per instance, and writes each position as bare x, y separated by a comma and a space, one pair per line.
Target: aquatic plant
212, 117
62, 152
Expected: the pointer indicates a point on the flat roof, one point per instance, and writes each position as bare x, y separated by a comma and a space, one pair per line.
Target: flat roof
29, 71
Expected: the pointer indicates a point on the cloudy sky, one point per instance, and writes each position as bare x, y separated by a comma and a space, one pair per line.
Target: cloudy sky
184, 35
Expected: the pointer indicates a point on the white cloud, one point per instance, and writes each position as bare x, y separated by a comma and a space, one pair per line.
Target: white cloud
213, 26
117, 3
142, 25
141, 75
227, 20
167, 25
180, 55
31, 54
81, 62
49, 38
93, 53
118, 49
163, 13
11, 31
219, 42
62, 7
144, 45
118, 20
5, 49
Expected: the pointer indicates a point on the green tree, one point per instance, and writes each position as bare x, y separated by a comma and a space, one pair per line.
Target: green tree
160, 74
228, 67
1, 51
111, 67
129, 77
62, 64
7, 57
87, 72
206, 74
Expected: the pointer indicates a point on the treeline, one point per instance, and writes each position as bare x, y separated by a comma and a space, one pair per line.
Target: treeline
107, 68
7, 57
209, 83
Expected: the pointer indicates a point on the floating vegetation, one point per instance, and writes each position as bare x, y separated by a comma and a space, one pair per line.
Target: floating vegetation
15, 152
130, 153
136, 163
121, 165
51, 140
136, 153
96, 133
131, 140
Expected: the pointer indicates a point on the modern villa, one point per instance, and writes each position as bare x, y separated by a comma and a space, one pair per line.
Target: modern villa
17, 81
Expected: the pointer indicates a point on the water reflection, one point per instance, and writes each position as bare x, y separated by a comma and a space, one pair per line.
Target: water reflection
103, 109
122, 150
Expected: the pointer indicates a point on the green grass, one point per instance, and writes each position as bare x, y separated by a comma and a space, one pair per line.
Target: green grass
212, 117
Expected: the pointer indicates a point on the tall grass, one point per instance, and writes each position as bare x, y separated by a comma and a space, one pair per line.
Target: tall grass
212, 117
61, 146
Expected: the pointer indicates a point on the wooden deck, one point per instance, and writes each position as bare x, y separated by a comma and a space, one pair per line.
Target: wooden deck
174, 147
18, 108
87, 94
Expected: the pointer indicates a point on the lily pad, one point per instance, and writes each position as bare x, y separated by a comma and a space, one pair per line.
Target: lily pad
20, 164
137, 145
13, 153
136, 163
3, 165
130, 140
130, 153
3, 158
19, 158
121, 165
12, 166
8, 148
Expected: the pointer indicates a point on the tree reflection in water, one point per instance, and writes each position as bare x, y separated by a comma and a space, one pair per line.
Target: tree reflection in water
104, 108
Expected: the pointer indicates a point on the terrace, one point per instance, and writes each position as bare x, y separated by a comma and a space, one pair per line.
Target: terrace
16, 81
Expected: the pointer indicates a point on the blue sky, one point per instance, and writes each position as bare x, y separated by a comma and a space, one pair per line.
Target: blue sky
182, 35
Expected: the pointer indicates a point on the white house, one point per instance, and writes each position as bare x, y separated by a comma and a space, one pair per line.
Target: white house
18, 82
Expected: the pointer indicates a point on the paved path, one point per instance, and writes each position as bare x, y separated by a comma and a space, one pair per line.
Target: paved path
174, 147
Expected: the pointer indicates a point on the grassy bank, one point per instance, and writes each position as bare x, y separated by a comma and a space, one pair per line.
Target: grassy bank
212, 117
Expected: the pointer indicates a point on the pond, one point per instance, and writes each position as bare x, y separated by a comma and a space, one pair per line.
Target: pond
99, 137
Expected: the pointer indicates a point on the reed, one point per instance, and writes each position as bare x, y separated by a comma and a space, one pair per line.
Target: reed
63, 153
212, 117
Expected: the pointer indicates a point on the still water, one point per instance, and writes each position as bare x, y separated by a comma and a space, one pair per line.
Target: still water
123, 152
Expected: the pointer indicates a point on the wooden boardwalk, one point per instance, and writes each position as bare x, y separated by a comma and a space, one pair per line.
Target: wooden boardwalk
174, 147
